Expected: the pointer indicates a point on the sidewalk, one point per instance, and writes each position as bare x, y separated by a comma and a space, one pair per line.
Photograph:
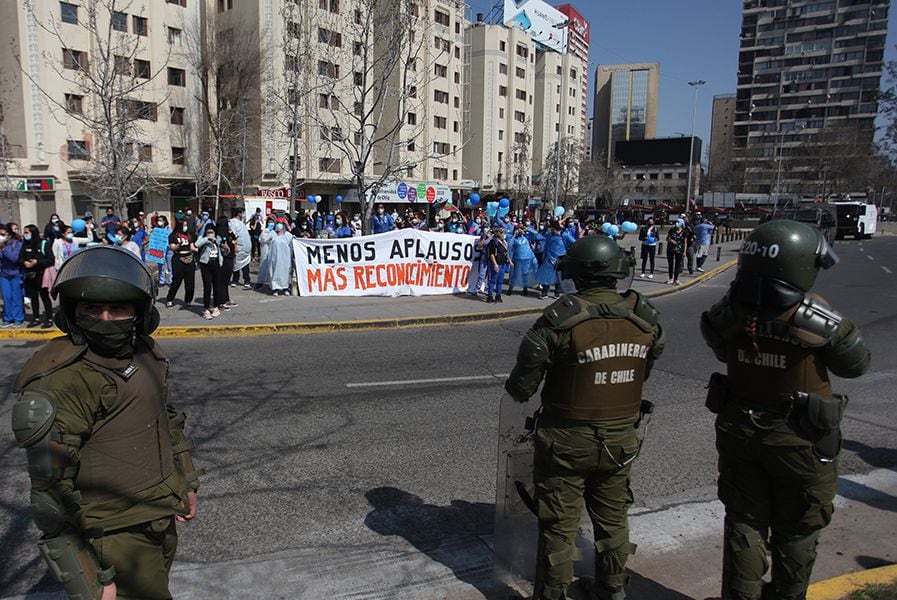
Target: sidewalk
260, 313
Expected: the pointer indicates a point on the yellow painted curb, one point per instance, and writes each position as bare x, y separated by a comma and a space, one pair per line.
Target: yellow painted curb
199, 331
839, 587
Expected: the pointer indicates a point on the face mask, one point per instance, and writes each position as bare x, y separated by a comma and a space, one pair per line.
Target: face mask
185, 229
69, 237
339, 221
108, 338
479, 221
279, 227
3, 239
304, 227
114, 239
380, 211
189, 212
270, 226
54, 220
205, 216
27, 237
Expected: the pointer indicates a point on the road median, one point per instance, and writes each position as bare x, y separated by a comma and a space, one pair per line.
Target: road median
838, 588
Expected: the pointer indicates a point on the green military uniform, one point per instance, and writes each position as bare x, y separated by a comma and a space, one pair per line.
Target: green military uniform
595, 349
108, 458
777, 459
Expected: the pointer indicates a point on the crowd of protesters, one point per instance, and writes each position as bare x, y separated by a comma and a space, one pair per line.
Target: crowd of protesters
514, 250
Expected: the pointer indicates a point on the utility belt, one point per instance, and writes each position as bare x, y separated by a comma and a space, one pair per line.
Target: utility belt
813, 417
151, 529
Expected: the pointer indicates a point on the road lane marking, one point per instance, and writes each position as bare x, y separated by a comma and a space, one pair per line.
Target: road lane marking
870, 257
422, 381
886, 270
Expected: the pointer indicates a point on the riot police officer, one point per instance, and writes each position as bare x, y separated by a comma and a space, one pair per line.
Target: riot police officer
595, 349
108, 459
777, 429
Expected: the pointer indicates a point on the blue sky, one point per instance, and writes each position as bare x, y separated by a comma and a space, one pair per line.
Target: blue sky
691, 39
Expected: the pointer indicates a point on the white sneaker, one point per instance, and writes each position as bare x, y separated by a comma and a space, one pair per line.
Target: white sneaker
699, 270
216, 312
651, 276
207, 315
670, 282
642, 275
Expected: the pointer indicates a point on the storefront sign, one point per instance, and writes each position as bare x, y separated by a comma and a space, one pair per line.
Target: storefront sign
406, 262
41, 184
412, 192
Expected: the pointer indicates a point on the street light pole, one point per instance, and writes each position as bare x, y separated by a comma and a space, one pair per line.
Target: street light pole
563, 88
775, 205
691, 151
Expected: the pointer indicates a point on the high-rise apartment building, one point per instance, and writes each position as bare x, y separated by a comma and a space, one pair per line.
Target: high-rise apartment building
578, 45
625, 106
588, 151
329, 100
52, 103
808, 80
500, 129
722, 130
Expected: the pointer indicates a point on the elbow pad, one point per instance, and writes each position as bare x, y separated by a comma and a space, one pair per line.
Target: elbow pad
847, 356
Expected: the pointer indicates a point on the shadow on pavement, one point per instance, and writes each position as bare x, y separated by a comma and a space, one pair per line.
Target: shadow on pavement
436, 530
881, 458
642, 587
872, 562
867, 495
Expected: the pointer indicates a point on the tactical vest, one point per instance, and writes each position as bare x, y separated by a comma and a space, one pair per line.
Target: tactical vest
600, 377
129, 448
781, 368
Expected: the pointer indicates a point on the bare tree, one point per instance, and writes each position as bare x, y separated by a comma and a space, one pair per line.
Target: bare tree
604, 184
228, 65
519, 166
568, 166
112, 153
366, 107
5, 154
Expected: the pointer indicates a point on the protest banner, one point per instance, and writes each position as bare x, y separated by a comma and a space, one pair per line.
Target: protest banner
158, 245
407, 262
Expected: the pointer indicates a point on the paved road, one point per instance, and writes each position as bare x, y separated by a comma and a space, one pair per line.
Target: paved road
321, 489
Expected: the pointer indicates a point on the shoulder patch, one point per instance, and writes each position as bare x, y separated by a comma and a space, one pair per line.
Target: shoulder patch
58, 353
566, 312
815, 322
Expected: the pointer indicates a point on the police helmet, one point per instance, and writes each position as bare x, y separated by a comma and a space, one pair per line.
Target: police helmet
594, 258
778, 263
105, 274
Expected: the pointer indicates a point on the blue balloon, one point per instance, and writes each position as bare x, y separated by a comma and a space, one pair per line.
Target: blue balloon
474, 199
78, 225
680, 223
650, 239
503, 211
339, 199
469, 202
504, 203
613, 231
559, 211
629, 226
311, 199
605, 227
491, 209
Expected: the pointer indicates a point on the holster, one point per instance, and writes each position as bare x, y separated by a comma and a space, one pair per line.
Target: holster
717, 392
817, 419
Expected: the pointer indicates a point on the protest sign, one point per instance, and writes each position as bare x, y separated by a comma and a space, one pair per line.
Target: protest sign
158, 245
407, 262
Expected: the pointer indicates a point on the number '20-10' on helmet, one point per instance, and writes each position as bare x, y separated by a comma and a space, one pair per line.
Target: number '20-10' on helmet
778, 263
106, 274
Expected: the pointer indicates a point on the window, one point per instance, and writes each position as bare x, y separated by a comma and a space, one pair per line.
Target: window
358, 78
329, 5
141, 25
501, 134
224, 5
501, 113
330, 165
138, 109
520, 94
177, 77
457, 77
74, 59
119, 21
294, 129
358, 109
122, 65
454, 174
328, 69
457, 52
359, 139
503, 68
358, 18
68, 13
456, 127
519, 116
328, 101
440, 96
411, 146
177, 115
178, 156
440, 148
440, 122
415, 10
145, 153
519, 137
412, 118
521, 72
178, 2
357, 48
572, 73
142, 69
522, 51
441, 18
502, 46
77, 150
174, 36
74, 104
457, 102
331, 38
503, 90
440, 70
501, 155
440, 173
409, 172
291, 63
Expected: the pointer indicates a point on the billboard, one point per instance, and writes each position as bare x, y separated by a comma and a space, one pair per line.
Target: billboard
543, 22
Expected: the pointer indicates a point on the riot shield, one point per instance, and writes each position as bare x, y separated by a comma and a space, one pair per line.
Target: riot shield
516, 527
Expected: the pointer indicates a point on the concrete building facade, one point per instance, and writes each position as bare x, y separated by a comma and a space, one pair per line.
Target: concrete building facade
807, 72
50, 152
722, 130
578, 45
625, 106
